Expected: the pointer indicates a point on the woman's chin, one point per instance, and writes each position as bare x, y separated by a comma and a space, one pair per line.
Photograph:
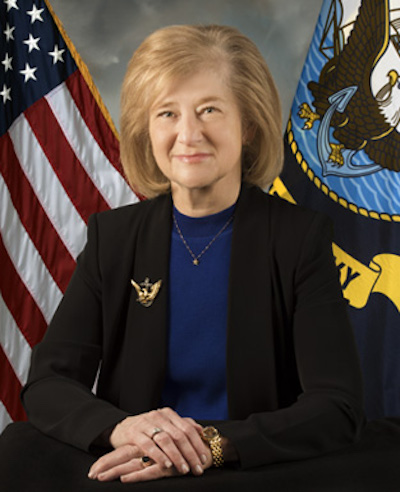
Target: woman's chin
194, 184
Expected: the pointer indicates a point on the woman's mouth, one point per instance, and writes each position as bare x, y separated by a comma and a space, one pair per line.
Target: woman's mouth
192, 158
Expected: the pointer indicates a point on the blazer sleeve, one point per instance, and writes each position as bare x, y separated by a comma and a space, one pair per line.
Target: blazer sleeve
328, 414
58, 396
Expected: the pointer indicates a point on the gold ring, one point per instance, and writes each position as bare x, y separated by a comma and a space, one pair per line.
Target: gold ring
146, 461
156, 430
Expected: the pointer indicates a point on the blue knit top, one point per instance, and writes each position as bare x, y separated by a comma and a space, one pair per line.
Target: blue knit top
195, 384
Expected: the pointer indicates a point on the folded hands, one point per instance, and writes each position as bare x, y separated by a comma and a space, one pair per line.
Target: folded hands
153, 445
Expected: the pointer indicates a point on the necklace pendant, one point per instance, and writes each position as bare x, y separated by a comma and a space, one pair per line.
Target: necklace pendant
196, 259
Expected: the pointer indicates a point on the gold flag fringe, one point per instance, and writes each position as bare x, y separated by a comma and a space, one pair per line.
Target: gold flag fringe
84, 69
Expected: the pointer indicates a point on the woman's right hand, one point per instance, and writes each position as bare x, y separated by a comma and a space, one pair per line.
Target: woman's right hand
170, 440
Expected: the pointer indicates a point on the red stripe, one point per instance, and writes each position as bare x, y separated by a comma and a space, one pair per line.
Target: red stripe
19, 301
95, 121
10, 389
76, 182
40, 229
94, 118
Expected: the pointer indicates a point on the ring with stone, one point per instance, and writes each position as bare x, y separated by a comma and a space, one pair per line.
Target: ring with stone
146, 461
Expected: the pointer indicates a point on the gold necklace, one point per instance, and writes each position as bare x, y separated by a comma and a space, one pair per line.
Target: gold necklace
197, 258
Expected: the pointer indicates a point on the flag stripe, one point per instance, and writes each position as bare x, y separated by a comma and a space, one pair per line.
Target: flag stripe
25, 257
58, 206
95, 121
79, 187
5, 418
32, 215
110, 183
14, 344
10, 389
24, 310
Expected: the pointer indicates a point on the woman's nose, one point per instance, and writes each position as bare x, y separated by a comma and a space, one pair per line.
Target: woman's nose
189, 129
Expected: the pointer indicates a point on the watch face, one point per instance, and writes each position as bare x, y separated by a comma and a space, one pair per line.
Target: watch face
210, 432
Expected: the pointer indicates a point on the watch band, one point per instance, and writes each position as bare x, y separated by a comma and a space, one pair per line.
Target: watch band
213, 437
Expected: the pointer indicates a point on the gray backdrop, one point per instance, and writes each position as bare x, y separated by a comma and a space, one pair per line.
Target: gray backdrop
106, 32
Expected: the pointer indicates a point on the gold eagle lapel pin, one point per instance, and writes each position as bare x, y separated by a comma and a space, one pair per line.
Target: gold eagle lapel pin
146, 291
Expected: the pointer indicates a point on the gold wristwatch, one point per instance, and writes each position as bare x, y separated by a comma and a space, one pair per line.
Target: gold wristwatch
213, 438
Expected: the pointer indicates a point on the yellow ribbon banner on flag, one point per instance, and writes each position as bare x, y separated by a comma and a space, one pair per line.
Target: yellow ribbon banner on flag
359, 281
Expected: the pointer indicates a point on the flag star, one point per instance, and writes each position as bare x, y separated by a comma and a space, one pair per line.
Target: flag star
5, 93
32, 43
28, 72
11, 4
9, 32
56, 54
36, 14
7, 62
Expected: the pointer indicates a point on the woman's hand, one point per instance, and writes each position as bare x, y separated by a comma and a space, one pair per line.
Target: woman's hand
125, 463
173, 444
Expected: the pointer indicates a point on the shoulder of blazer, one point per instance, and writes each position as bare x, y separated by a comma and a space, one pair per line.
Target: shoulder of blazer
129, 214
278, 212
284, 230
113, 234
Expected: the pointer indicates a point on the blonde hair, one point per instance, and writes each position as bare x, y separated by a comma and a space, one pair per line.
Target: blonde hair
173, 52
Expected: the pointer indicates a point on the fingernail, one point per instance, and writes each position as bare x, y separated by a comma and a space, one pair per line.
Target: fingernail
168, 464
91, 475
185, 468
203, 459
199, 469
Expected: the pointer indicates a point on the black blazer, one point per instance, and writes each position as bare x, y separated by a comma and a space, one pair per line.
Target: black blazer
293, 378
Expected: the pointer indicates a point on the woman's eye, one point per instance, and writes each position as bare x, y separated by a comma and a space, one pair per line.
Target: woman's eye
166, 114
209, 110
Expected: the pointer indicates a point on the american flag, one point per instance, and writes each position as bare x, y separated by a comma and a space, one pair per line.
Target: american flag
59, 163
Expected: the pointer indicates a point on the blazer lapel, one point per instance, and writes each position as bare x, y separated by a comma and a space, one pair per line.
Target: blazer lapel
251, 379
145, 343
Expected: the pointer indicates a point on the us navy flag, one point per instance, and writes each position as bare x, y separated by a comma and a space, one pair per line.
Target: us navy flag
343, 158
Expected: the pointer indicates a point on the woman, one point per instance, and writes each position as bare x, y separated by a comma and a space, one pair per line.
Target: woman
209, 303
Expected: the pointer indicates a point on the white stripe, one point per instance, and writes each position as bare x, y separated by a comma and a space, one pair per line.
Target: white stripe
14, 343
107, 179
25, 257
5, 419
58, 206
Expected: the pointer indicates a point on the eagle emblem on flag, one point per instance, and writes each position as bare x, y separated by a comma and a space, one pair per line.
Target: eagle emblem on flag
350, 102
355, 99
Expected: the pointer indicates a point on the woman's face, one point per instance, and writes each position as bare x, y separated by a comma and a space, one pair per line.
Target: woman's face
196, 134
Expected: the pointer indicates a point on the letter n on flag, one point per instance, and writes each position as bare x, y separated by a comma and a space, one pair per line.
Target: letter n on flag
59, 163
343, 158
